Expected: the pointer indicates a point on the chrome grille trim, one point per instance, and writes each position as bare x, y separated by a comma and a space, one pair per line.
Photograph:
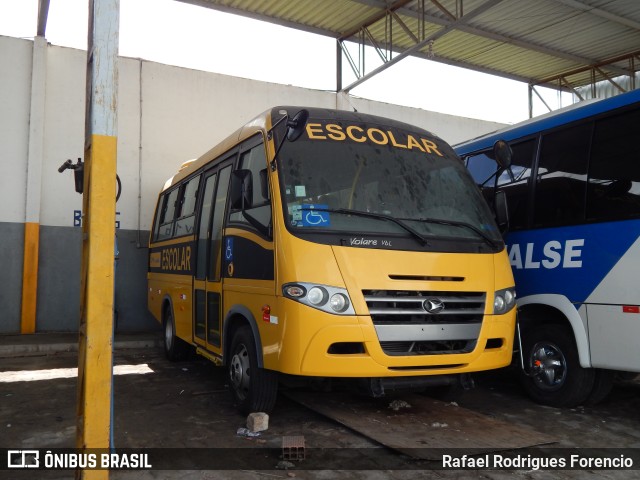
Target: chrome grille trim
390, 302
405, 327
418, 333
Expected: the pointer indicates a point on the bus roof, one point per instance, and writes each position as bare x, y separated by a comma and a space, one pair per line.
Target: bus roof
548, 121
262, 123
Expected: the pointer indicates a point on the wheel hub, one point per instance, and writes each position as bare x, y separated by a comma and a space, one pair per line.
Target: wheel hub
548, 366
239, 371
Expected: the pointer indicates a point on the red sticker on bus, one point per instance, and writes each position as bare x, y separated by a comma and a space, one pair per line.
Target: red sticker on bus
630, 309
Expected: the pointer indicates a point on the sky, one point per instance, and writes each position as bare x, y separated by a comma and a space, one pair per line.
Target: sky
175, 33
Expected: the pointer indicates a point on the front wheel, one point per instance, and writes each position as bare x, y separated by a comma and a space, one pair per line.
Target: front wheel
254, 389
554, 376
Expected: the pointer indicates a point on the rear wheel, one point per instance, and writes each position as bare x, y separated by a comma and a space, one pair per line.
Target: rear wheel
174, 348
254, 389
555, 376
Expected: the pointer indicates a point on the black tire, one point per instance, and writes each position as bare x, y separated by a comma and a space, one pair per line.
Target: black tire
555, 375
602, 386
175, 348
625, 376
254, 389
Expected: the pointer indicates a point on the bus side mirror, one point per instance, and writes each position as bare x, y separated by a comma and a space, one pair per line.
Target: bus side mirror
241, 195
502, 211
502, 153
295, 126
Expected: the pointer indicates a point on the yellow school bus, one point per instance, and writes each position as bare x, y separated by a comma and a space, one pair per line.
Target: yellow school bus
330, 244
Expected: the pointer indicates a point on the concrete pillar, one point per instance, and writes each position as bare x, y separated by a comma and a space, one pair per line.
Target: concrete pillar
34, 186
95, 360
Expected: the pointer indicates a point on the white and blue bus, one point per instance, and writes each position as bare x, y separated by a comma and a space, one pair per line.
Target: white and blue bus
573, 196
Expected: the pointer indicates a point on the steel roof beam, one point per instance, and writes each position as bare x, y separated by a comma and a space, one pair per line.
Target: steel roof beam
586, 68
385, 10
610, 80
541, 99
444, 10
601, 13
401, 7
43, 14
443, 31
498, 37
569, 85
382, 54
404, 27
444, 60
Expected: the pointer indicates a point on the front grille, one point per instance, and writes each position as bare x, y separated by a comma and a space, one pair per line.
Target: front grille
427, 348
402, 307
412, 323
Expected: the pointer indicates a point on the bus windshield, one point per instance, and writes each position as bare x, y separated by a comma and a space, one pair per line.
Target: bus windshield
367, 188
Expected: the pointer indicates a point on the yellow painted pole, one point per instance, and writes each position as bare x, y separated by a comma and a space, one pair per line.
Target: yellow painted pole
99, 208
30, 277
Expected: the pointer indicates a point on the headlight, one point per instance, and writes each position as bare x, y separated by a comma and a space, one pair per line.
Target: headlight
510, 297
329, 299
317, 296
504, 301
339, 302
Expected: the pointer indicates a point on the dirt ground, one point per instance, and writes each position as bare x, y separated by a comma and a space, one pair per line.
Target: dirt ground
187, 405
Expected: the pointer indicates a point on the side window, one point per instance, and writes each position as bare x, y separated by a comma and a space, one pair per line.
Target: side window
186, 207
205, 220
159, 209
167, 214
560, 187
255, 161
481, 167
220, 204
521, 162
614, 172
516, 187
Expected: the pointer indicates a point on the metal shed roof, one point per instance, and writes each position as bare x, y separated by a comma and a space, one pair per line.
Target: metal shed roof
562, 44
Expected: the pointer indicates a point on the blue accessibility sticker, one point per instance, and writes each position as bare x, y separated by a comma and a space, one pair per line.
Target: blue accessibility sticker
228, 249
314, 216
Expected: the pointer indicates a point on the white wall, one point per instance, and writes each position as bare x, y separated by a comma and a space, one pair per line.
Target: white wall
15, 92
166, 115
63, 134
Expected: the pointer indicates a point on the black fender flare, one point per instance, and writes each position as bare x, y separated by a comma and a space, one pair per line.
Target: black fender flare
233, 312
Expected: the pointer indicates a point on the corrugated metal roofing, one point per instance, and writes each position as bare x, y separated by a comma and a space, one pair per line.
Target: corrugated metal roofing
553, 42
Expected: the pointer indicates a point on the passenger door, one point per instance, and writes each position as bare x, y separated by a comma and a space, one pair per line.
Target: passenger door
207, 318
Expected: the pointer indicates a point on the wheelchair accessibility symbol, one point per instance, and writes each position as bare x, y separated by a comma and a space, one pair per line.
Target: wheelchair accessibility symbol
313, 216
228, 251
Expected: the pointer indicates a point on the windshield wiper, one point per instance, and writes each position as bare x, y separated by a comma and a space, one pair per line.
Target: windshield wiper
453, 223
380, 216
